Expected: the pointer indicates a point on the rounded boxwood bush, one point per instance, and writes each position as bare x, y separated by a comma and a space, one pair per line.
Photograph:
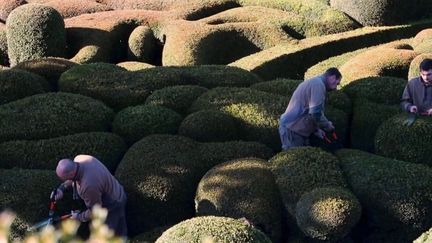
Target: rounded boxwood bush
381, 90
134, 66
414, 69
281, 86
218, 229
209, 126
178, 98
17, 84
51, 115
134, 123
302, 169
413, 143
367, 118
7, 6
45, 153
142, 45
339, 100
327, 213
4, 59
50, 68
242, 188
425, 237
395, 195
35, 31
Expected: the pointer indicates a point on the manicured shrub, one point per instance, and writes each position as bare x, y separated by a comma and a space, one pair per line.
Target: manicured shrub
422, 36
51, 115
242, 188
134, 66
50, 68
209, 126
134, 123
45, 153
17, 84
281, 86
73, 8
412, 144
367, 118
414, 69
149, 236
328, 213
425, 237
381, 90
35, 31
218, 229
339, 100
6, 7
424, 47
4, 59
178, 98
302, 169
161, 174
395, 195
142, 45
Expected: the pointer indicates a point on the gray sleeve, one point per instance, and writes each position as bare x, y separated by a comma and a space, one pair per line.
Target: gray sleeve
406, 100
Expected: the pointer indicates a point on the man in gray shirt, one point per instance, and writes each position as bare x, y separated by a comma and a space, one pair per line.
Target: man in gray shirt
304, 115
95, 185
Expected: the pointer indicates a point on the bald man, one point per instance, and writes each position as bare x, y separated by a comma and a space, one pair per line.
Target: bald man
95, 185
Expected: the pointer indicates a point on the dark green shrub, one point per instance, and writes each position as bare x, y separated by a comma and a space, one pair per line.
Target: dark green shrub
50, 68
142, 45
395, 195
209, 126
302, 169
149, 236
414, 69
69, 9
35, 31
381, 90
44, 154
160, 173
366, 119
178, 98
328, 213
412, 144
242, 188
219, 229
4, 59
134, 66
51, 115
17, 84
134, 123
283, 87
339, 100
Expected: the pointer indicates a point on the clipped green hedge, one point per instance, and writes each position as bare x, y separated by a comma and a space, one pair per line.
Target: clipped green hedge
218, 229
178, 98
35, 31
51, 115
302, 169
50, 68
4, 59
414, 69
242, 188
395, 195
45, 153
339, 100
367, 118
425, 237
134, 123
17, 84
328, 213
142, 45
281, 86
209, 126
411, 144
160, 173
134, 66
7, 6
381, 90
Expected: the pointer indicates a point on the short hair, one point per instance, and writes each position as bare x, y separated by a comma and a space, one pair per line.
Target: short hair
333, 71
426, 64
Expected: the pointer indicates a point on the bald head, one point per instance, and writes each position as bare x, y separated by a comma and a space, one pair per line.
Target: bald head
66, 169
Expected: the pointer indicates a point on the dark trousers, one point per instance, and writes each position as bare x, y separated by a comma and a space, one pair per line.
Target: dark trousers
116, 218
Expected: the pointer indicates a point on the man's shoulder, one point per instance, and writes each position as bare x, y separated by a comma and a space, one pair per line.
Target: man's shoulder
414, 81
84, 158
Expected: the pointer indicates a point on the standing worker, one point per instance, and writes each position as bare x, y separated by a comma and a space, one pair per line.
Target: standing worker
93, 182
304, 115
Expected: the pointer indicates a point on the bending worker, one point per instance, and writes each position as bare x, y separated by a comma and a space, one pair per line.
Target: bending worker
95, 185
304, 115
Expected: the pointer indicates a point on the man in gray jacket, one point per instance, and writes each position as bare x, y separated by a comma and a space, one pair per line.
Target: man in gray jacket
95, 185
304, 115
417, 96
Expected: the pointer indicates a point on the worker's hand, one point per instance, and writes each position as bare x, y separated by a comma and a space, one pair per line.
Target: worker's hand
329, 127
319, 133
413, 109
428, 112
74, 214
58, 195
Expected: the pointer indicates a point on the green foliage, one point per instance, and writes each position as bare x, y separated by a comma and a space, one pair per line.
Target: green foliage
328, 213
425, 237
242, 188
142, 45
381, 90
341, 122
339, 100
134, 123
4, 59
134, 66
302, 169
51, 115
283, 87
209, 126
218, 229
35, 31
45, 153
412, 144
17, 84
395, 195
161, 174
414, 69
178, 98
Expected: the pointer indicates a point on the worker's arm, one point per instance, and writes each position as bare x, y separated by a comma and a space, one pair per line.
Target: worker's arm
91, 196
316, 106
60, 189
406, 100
